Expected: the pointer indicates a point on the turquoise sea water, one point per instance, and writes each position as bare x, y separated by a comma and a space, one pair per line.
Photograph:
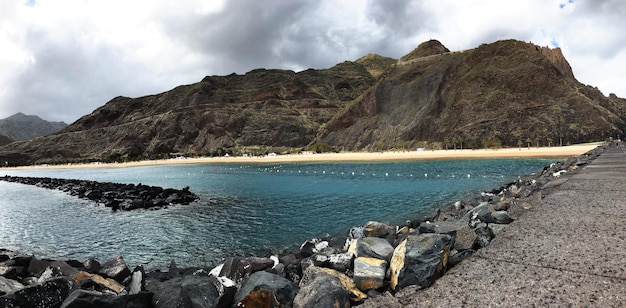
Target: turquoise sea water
243, 209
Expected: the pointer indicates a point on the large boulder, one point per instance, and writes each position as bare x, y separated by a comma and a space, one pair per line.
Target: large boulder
378, 229
187, 291
115, 268
324, 287
419, 260
373, 247
49, 294
263, 289
449, 227
369, 273
93, 299
465, 238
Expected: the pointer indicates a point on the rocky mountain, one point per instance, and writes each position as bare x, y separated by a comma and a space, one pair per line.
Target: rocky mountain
497, 94
505, 93
21, 127
5, 140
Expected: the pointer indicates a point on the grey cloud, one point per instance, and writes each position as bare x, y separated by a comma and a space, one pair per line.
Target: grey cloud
69, 78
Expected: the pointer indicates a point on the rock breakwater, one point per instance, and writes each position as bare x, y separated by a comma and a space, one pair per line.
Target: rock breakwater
365, 267
117, 196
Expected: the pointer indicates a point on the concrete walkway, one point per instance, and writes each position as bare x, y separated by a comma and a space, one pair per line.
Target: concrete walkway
569, 250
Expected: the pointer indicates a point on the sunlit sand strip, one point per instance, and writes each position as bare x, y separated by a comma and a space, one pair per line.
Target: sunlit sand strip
561, 152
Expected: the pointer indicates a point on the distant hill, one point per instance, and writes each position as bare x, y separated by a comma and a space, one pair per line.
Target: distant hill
22, 127
504, 93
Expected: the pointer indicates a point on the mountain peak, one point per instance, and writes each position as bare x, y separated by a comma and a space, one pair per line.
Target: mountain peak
425, 49
21, 126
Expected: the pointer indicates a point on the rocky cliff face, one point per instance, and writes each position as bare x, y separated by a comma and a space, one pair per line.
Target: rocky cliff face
21, 127
497, 94
501, 93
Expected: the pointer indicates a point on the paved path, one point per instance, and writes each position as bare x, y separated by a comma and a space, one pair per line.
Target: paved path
569, 250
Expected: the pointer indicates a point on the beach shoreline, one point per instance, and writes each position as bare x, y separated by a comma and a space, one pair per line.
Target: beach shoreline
524, 152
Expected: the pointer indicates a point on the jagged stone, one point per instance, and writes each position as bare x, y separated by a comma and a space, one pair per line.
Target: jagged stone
85, 298
373, 247
341, 261
484, 236
185, 291
419, 260
9, 285
92, 265
323, 287
263, 289
378, 229
501, 217
313, 246
96, 282
465, 238
115, 268
63, 268
369, 273
457, 257
48, 294
36, 267
443, 227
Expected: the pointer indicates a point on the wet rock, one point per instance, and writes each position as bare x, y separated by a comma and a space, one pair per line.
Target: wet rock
115, 268
323, 287
369, 273
373, 247
85, 298
263, 289
419, 260
49, 294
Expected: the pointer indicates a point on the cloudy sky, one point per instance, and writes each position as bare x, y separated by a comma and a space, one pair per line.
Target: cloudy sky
61, 59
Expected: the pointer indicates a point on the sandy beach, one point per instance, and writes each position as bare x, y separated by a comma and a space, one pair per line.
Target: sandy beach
557, 152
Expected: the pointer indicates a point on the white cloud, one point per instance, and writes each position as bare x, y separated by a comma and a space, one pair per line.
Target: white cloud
61, 59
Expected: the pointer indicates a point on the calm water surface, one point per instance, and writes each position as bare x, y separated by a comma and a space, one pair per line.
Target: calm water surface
244, 208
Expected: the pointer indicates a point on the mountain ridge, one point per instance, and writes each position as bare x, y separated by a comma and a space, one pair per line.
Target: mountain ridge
498, 94
22, 127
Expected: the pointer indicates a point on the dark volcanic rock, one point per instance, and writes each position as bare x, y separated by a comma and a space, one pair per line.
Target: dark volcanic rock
93, 299
263, 289
49, 294
419, 260
115, 268
114, 195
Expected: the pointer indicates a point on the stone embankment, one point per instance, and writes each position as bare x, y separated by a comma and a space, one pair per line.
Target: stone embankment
367, 267
117, 196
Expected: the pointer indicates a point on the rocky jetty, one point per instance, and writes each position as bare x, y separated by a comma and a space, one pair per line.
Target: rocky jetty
117, 196
365, 267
